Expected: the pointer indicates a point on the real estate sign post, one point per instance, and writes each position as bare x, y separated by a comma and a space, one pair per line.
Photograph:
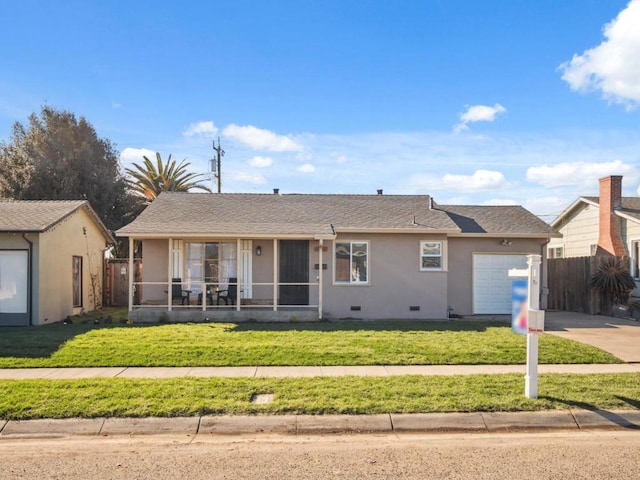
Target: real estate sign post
528, 318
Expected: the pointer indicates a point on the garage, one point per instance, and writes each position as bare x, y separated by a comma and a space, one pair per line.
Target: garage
491, 282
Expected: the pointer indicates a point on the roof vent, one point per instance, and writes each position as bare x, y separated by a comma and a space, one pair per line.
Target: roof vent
379, 191
276, 191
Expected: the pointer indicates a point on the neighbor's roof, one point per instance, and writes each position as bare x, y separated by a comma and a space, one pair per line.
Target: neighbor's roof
238, 214
630, 208
501, 220
23, 216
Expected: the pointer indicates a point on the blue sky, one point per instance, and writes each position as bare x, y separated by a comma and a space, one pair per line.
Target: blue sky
492, 102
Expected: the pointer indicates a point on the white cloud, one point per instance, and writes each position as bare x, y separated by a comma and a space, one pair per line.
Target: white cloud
204, 129
246, 177
306, 168
500, 201
260, 139
577, 173
612, 67
130, 155
481, 180
478, 113
261, 162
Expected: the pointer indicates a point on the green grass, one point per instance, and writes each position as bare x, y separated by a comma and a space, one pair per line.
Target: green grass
227, 344
27, 399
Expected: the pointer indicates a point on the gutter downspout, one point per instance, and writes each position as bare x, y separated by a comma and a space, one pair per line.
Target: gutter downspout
30, 287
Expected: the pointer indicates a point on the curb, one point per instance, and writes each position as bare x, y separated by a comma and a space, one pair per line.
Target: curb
424, 423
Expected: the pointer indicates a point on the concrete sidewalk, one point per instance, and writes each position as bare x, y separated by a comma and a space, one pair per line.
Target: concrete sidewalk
479, 422
329, 371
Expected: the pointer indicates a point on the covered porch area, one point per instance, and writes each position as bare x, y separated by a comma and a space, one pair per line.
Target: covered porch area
191, 279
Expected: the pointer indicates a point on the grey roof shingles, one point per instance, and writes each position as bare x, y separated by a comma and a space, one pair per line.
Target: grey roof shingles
309, 214
497, 220
630, 205
41, 215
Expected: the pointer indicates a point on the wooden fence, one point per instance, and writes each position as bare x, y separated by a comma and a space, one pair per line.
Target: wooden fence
568, 280
116, 284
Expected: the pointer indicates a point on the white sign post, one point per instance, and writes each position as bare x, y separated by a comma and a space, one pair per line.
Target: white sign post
535, 321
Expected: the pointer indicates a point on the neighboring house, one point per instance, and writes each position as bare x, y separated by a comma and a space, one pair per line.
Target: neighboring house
306, 257
51, 260
605, 225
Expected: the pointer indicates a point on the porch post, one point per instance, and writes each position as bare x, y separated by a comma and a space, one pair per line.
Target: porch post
320, 279
239, 274
275, 274
169, 271
131, 273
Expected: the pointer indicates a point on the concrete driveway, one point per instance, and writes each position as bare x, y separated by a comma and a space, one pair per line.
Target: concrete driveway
618, 336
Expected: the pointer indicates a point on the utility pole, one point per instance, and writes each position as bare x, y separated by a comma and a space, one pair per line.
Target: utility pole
216, 164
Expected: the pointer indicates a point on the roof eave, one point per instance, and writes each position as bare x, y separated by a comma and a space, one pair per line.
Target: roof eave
558, 220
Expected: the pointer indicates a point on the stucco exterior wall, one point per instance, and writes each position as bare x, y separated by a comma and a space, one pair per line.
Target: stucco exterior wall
77, 235
155, 268
461, 251
395, 282
579, 232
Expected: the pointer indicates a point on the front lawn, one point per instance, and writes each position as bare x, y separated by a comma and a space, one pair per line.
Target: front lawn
258, 344
119, 397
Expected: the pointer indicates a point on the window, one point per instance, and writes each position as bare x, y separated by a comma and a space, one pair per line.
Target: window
556, 252
431, 255
77, 281
211, 262
352, 262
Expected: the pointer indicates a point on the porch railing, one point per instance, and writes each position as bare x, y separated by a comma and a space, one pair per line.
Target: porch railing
249, 295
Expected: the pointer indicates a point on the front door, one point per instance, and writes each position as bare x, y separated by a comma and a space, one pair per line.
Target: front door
294, 268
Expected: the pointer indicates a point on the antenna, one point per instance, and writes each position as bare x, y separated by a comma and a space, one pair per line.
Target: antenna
216, 164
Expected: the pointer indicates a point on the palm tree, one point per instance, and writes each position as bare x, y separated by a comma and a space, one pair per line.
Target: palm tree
148, 181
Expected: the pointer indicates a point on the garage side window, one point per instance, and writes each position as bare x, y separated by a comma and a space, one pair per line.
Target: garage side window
351, 262
431, 255
77, 281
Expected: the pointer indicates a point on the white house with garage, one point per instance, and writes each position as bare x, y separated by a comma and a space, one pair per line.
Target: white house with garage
309, 257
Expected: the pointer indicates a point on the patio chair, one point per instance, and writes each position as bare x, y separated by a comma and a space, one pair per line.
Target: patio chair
230, 294
178, 293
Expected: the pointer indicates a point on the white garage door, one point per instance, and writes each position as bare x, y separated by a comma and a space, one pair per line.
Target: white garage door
491, 282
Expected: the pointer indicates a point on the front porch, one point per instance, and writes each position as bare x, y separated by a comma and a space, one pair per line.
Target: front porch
185, 280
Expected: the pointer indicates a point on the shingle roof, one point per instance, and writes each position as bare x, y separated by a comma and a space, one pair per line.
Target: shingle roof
297, 214
497, 220
630, 205
41, 215
313, 215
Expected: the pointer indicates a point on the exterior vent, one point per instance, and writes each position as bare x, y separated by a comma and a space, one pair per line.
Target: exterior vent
414, 308
355, 308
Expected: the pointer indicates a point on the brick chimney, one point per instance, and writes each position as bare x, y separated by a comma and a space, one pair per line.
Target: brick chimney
609, 241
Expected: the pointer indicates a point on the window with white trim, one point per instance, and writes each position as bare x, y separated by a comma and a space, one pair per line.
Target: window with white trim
351, 262
556, 252
431, 255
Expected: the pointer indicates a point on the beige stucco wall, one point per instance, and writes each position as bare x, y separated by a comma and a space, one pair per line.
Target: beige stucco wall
155, 268
579, 232
461, 251
395, 281
58, 246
